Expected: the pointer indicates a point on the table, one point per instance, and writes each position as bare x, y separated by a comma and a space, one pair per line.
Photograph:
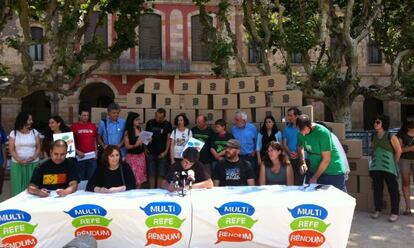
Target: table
260, 216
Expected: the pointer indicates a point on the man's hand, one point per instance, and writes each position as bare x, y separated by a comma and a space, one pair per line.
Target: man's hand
62, 192
43, 192
312, 180
81, 154
303, 169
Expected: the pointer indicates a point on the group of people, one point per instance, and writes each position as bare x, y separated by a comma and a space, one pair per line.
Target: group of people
113, 158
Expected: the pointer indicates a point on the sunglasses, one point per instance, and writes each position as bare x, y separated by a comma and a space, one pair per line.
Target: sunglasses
377, 122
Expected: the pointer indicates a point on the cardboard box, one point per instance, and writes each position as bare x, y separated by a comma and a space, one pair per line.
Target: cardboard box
139, 100
337, 128
229, 115
365, 185
243, 84
362, 201
261, 113
359, 166
124, 113
196, 102
97, 114
213, 86
167, 101
150, 114
228, 101
186, 86
157, 86
252, 100
352, 147
352, 184
288, 98
190, 113
276, 82
307, 110
211, 114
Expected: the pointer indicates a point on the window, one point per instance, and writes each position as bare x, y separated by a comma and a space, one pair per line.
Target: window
374, 53
254, 53
150, 52
199, 51
36, 51
101, 31
296, 58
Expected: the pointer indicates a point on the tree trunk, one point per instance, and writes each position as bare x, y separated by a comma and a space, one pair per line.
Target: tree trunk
343, 114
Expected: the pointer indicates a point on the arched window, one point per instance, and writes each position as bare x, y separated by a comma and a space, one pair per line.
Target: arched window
36, 51
199, 51
150, 52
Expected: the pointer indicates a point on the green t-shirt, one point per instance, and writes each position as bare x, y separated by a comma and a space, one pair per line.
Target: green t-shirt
317, 141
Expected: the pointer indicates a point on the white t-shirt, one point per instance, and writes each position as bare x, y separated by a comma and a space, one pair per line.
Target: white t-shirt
25, 144
180, 138
342, 154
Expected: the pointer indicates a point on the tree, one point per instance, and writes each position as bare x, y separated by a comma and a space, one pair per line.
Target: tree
65, 24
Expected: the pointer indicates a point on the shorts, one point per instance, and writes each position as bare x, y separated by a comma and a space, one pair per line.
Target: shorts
157, 166
406, 165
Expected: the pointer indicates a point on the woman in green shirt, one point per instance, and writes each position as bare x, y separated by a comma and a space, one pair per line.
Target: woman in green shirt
406, 138
383, 167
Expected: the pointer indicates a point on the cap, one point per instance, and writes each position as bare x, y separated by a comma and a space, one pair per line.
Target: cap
233, 143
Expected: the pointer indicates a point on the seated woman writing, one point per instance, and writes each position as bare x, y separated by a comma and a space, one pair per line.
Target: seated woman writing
113, 176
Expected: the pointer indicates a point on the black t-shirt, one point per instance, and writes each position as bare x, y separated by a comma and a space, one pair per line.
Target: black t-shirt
233, 173
55, 176
218, 142
205, 136
200, 172
160, 135
136, 150
104, 177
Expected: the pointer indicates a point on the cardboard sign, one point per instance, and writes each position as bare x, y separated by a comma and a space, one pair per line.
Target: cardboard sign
68, 137
288, 98
213, 86
228, 101
240, 85
352, 147
276, 82
167, 101
185, 86
139, 100
195, 102
261, 113
252, 100
157, 86
337, 128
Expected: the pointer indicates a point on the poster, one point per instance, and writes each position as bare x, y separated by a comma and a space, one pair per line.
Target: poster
68, 137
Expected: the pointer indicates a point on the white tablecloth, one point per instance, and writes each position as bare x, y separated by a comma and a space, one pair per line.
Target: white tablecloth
265, 216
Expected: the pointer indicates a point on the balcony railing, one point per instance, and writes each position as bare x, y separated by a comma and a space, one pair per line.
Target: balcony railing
129, 65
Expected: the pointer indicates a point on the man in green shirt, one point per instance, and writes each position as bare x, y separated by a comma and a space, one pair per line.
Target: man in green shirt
325, 165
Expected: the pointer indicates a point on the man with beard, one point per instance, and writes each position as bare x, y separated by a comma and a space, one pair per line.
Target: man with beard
233, 170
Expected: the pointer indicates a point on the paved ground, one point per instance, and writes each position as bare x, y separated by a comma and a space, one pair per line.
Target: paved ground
365, 232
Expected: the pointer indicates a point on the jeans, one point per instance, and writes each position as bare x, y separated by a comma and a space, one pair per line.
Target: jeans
378, 178
86, 168
338, 181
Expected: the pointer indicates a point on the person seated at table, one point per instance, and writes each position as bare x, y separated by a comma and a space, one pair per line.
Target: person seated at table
275, 167
113, 175
57, 173
233, 170
180, 170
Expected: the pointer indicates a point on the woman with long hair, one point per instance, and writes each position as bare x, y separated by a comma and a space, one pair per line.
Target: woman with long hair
275, 167
135, 156
24, 147
56, 125
113, 175
268, 132
383, 167
179, 137
406, 164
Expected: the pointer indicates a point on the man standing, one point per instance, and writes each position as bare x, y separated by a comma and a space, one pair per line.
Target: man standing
325, 163
246, 133
158, 147
233, 170
111, 129
57, 173
290, 143
85, 134
204, 133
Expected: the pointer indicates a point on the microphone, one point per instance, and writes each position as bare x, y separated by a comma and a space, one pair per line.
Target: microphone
176, 180
191, 177
183, 180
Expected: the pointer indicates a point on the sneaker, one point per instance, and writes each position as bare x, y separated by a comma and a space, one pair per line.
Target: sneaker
375, 215
393, 218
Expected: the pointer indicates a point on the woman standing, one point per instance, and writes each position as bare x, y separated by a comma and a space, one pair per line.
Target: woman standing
24, 147
387, 152
179, 137
135, 148
56, 125
406, 138
268, 132
276, 167
113, 176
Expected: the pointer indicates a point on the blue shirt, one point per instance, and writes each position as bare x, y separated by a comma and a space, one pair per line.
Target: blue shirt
3, 140
290, 134
114, 131
247, 136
